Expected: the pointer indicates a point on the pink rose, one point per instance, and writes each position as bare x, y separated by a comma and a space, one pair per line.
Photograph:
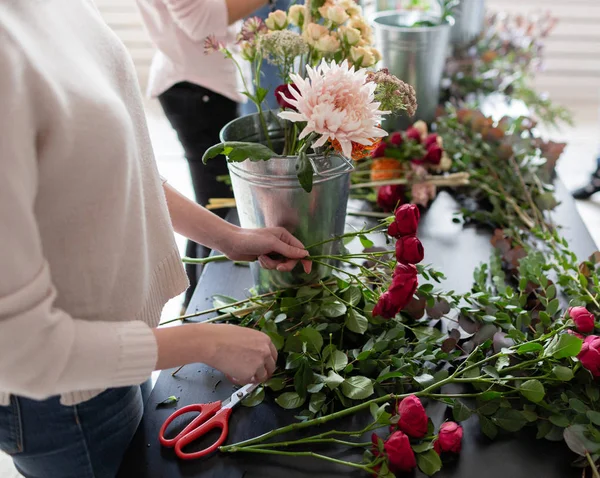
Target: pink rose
379, 151
389, 196
283, 91
396, 139
583, 318
431, 139
433, 155
414, 134
412, 418
385, 307
400, 455
404, 285
590, 354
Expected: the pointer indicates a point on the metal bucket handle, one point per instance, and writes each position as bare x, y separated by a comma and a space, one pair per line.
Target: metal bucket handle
332, 171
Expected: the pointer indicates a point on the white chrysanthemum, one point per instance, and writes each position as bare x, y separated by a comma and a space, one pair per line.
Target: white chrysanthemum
337, 103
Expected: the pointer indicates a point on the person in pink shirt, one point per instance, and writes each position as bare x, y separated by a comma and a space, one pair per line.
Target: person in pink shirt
198, 93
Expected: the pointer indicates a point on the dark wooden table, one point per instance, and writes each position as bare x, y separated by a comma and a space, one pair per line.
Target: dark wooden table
452, 249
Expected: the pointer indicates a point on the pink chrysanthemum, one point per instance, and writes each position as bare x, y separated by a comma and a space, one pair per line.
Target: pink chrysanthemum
337, 103
212, 45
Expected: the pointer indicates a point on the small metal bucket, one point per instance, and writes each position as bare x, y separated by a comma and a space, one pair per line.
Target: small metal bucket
268, 194
469, 16
416, 55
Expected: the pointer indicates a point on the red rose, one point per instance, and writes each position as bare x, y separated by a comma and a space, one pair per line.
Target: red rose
590, 354
389, 196
431, 139
385, 307
407, 221
400, 455
412, 418
396, 139
409, 249
433, 155
583, 318
414, 134
379, 151
404, 285
449, 439
285, 91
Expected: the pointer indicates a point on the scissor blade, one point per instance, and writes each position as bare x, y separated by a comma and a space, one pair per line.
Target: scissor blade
239, 395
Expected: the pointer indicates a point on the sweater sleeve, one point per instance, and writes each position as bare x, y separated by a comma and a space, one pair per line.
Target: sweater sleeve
45, 351
199, 18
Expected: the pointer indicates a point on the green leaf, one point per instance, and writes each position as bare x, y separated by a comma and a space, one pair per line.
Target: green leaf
559, 421
280, 318
529, 415
552, 307
566, 346
533, 390
503, 361
333, 380
353, 295
255, 398
551, 292
530, 347
488, 428
578, 406
290, 400
594, 417
312, 338
422, 447
365, 241
304, 170
316, 402
358, 387
509, 419
307, 291
303, 377
576, 438
356, 322
261, 94
333, 308
172, 400
491, 371
237, 151
424, 333
544, 427
277, 339
429, 462
460, 412
337, 360
591, 390
424, 379
562, 373
315, 387
275, 384
490, 395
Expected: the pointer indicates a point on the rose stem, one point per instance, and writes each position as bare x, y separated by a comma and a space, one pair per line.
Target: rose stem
348, 234
592, 464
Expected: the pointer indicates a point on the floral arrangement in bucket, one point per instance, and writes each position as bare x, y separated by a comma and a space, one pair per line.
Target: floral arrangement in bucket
330, 104
407, 166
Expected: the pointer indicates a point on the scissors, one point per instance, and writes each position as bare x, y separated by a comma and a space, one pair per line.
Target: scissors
212, 415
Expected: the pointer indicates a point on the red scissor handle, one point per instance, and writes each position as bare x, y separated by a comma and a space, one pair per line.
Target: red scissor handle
207, 411
220, 420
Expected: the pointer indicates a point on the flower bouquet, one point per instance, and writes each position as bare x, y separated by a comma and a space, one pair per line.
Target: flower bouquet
330, 105
406, 167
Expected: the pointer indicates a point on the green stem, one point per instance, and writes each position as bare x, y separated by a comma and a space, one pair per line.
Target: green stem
309, 440
204, 260
348, 234
298, 453
592, 465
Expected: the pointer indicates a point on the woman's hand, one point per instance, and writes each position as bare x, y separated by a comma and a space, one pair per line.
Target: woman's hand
274, 248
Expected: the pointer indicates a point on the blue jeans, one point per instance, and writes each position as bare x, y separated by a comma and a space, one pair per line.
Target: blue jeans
50, 440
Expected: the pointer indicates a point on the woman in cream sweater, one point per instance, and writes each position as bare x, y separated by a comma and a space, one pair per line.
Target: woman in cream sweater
87, 253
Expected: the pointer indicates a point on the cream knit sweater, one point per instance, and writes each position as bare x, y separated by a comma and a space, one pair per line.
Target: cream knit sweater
87, 252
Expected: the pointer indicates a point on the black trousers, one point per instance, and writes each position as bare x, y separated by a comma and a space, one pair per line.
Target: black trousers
197, 115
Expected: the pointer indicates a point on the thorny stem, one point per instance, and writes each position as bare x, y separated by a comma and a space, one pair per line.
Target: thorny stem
348, 234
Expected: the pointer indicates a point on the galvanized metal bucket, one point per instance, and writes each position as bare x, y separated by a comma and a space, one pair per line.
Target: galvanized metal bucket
469, 16
416, 55
268, 194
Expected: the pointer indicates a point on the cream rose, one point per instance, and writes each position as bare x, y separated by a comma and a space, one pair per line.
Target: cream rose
328, 44
313, 32
376, 54
248, 50
421, 127
361, 57
276, 20
351, 7
296, 15
350, 35
337, 15
365, 30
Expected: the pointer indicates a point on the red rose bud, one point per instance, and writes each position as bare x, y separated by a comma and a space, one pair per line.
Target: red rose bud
404, 285
385, 307
409, 250
449, 439
414, 134
583, 318
389, 196
590, 354
282, 92
379, 151
407, 221
431, 139
400, 455
412, 418
572, 332
396, 139
433, 155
